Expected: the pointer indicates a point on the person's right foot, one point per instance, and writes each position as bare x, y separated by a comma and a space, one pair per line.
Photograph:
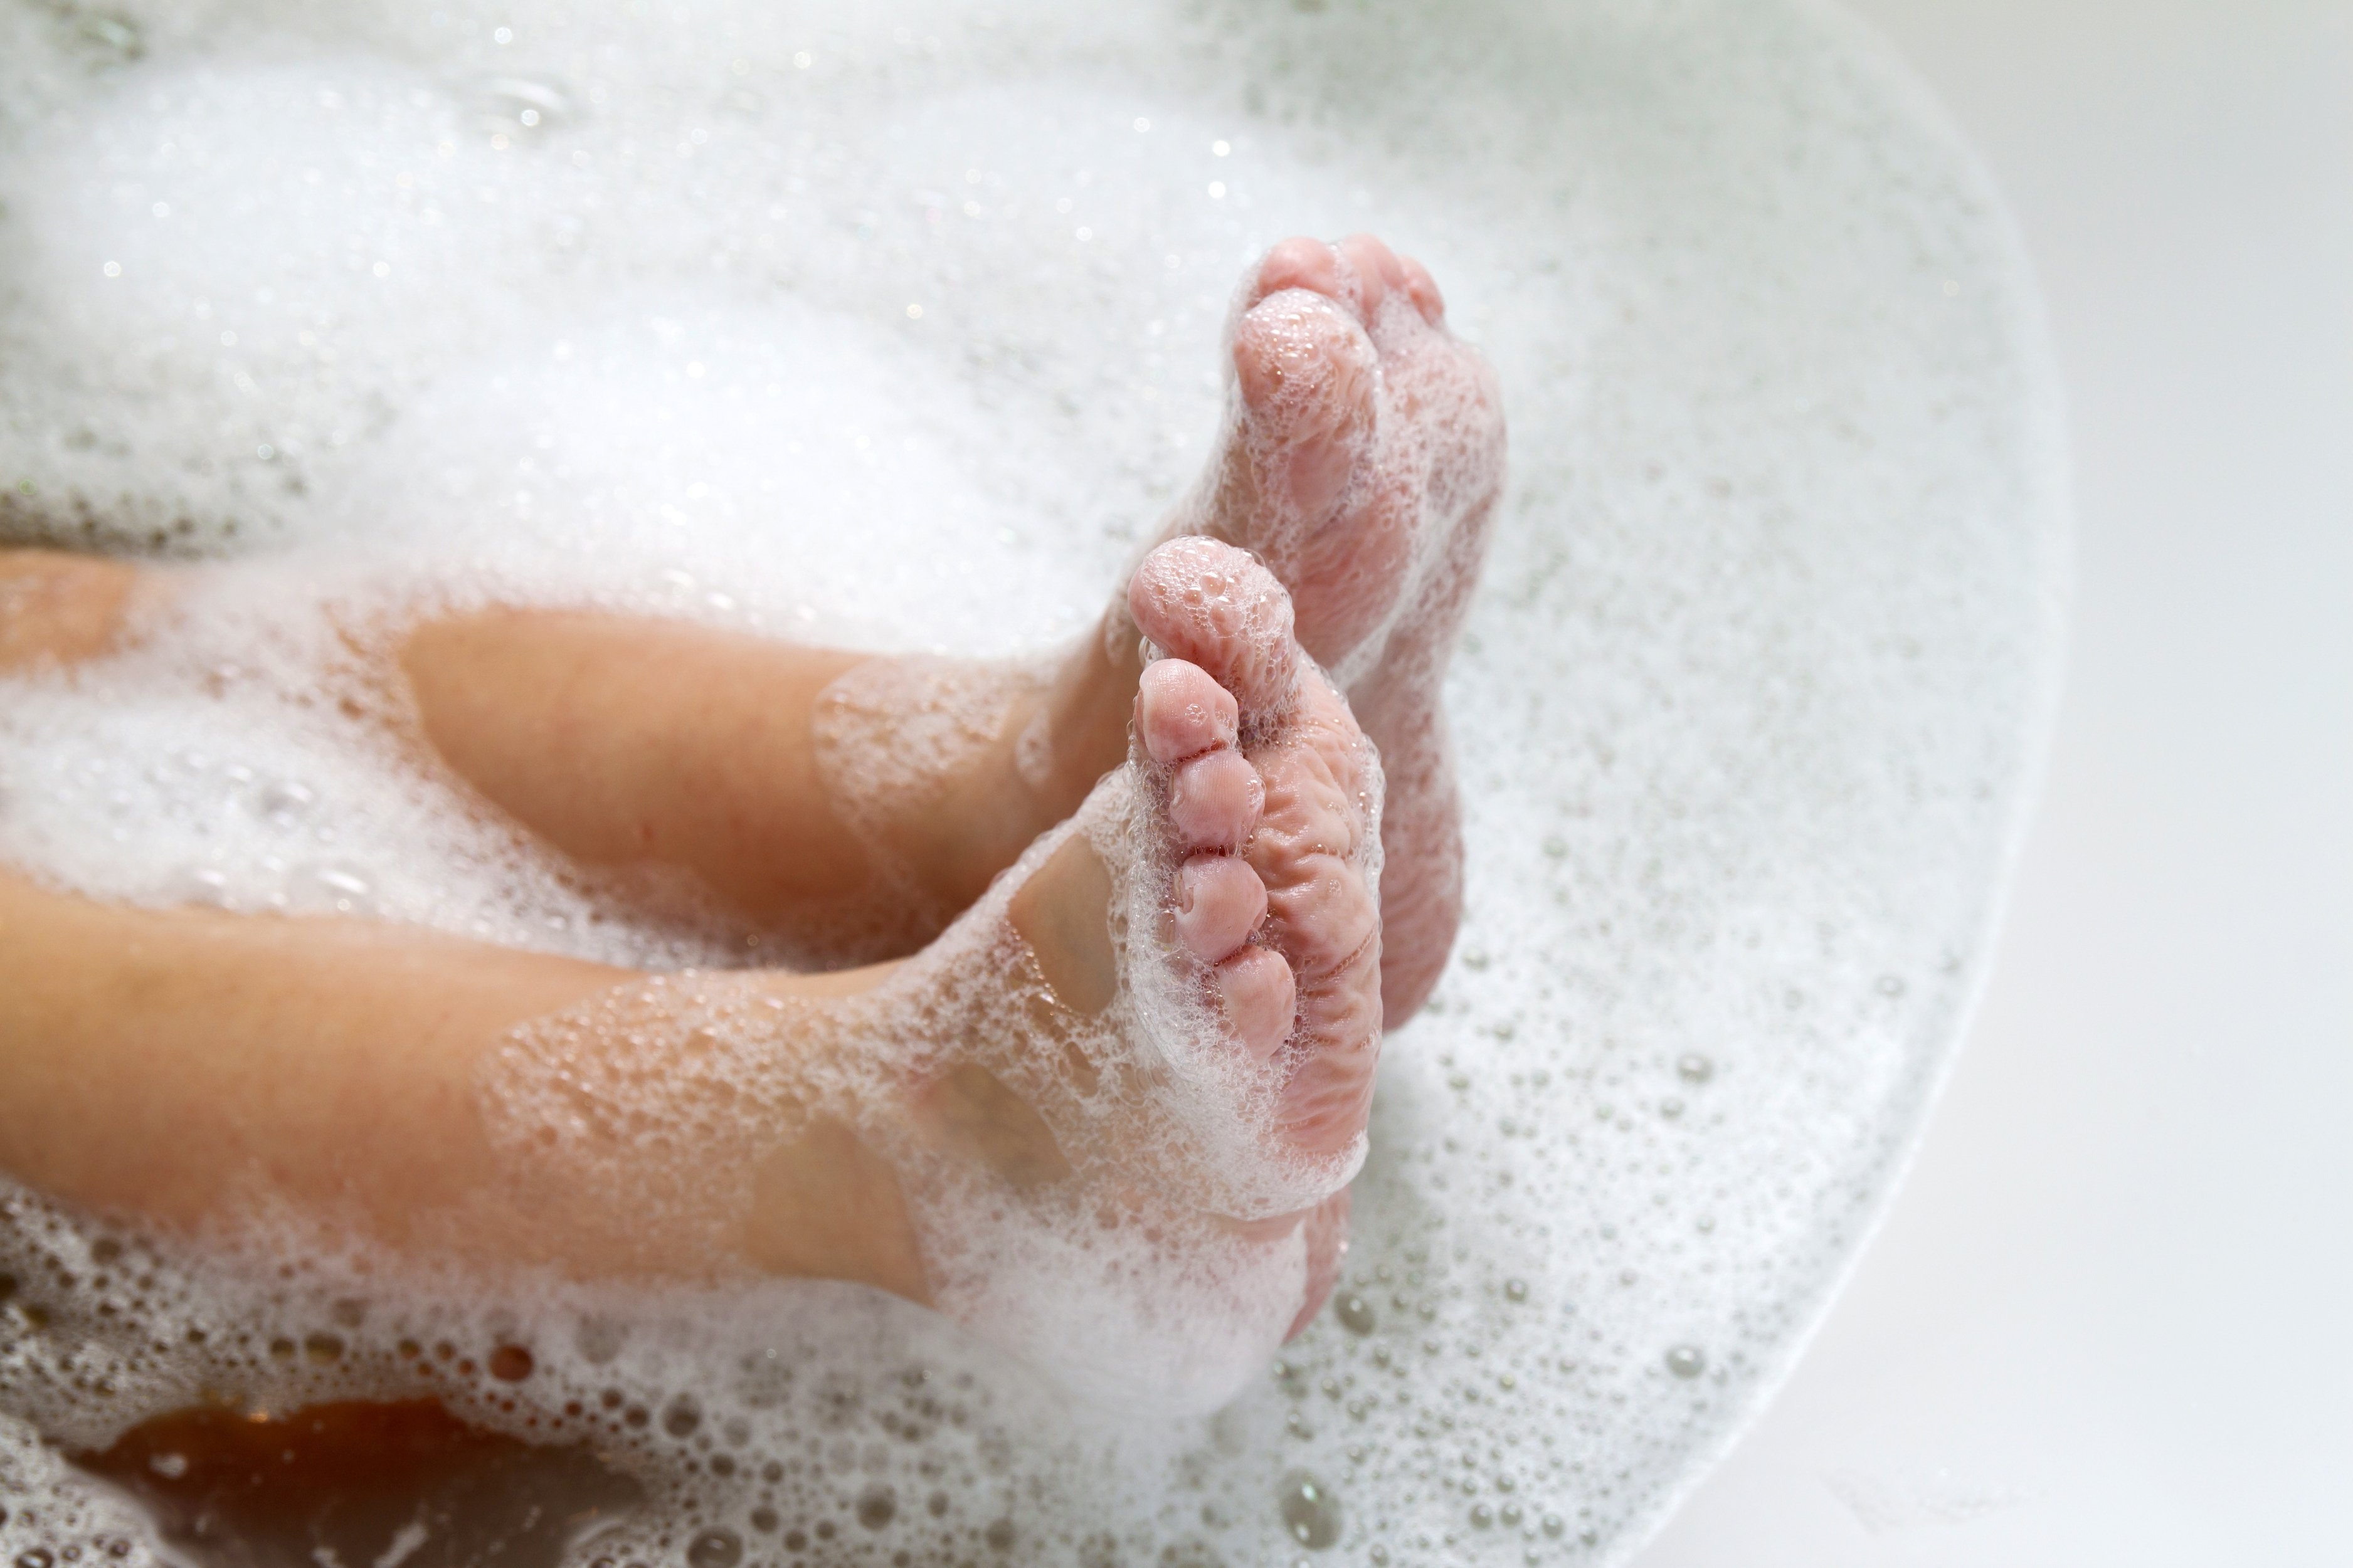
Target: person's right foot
1361, 461
1364, 450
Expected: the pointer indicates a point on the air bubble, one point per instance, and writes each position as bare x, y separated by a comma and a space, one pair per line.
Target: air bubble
1356, 1314
514, 104
1694, 1068
1310, 1513
344, 890
1687, 1360
714, 1549
877, 1505
285, 801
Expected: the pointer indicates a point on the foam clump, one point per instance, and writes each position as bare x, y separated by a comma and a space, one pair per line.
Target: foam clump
896, 326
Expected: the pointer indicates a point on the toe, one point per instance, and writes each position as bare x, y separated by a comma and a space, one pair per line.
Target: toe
1182, 712
1213, 801
1216, 607
1309, 379
1219, 901
1422, 290
1298, 262
1375, 269
1259, 996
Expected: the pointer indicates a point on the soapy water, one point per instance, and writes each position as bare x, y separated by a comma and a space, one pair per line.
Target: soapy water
896, 326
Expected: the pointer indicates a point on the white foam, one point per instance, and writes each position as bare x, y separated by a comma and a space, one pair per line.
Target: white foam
1746, 711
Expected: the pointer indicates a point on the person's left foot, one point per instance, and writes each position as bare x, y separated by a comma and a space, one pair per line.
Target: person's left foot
1109, 1117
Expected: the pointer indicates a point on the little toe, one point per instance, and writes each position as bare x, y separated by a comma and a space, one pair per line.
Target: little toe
1181, 711
1219, 901
1214, 606
1261, 997
1215, 801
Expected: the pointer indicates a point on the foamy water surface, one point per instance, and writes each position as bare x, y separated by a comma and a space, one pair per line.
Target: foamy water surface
897, 325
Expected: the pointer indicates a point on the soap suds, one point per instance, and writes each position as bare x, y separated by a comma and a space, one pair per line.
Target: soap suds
819, 323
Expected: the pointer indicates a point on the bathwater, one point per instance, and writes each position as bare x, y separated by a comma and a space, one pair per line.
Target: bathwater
896, 325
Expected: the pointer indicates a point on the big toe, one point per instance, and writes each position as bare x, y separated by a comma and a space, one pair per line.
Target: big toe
1214, 606
1309, 379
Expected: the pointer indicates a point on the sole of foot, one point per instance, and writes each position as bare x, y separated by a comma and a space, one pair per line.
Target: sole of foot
1207, 931
1362, 460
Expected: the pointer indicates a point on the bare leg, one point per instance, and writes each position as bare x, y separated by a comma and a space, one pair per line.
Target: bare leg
57, 609
184, 1065
188, 1066
621, 740
1362, 462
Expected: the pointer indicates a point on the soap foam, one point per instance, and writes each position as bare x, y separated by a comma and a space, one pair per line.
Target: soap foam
1746, 709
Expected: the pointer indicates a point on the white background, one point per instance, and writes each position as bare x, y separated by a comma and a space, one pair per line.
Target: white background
2110, 1318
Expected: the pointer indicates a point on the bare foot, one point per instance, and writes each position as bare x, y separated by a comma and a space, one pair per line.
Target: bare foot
1108, 1119
1361, 462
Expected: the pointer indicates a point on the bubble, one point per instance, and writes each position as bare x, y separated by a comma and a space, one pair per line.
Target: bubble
682, 1415
203, 886
1693, 1067
508, 104
714, 1549
1687, 1360
1516, 1290
999, 1535
1310, 1512
510, 1363
877, 1504
117, 36
805, 209
332, 886
285, 801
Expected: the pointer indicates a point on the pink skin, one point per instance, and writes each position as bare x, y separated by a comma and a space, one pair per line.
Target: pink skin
1362, 462
1267, 778
1283, 920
